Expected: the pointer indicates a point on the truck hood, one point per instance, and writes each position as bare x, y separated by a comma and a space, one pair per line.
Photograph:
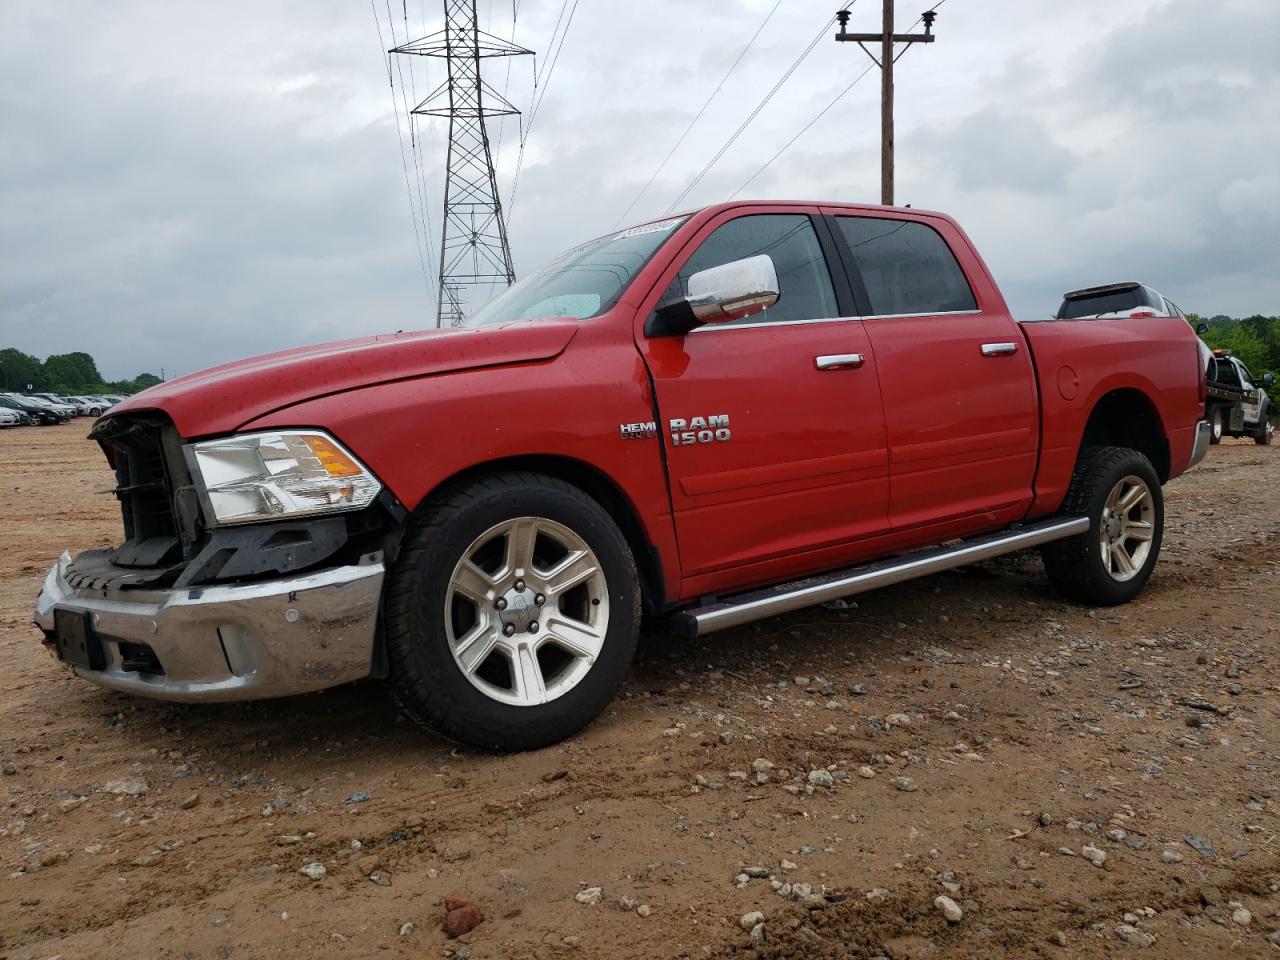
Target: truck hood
224, 398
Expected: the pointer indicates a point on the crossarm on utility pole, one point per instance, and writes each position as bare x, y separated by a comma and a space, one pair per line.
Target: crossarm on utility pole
877, 37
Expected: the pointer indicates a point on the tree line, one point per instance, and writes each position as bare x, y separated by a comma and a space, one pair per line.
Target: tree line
62, 373
1255, 340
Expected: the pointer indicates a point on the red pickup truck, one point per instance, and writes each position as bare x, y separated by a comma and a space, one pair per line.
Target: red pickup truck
714, 418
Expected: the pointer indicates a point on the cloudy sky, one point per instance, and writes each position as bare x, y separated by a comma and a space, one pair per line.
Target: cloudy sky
184, 183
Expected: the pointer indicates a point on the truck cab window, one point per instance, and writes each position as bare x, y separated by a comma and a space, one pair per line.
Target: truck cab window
1226, 373
804, 283
906, 266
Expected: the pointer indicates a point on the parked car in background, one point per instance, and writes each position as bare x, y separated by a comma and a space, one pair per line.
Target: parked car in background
1238, 405
54, 400
11, 418
80, 407
64, 408
38, 413
87, 406
1116, 300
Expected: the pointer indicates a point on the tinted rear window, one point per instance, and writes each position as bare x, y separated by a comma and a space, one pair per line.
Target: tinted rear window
906, 266
1110, 302
1224, 371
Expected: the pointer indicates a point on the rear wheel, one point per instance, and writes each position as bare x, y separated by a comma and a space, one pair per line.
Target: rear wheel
1215, 429
512, 613
1119, 491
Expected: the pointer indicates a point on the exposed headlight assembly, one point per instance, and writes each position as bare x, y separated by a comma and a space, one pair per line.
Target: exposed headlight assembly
272, 476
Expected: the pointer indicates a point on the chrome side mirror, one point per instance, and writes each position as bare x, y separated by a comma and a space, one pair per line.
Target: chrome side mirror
733, 290
1268, 379
1202, 327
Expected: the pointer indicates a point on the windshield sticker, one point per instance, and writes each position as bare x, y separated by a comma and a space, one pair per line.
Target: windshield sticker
662, 226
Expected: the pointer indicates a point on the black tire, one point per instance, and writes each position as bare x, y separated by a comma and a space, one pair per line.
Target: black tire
1263, 436
1215, 427
1077, 566
426, 680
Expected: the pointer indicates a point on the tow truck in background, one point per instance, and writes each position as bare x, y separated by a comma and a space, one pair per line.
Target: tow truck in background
1238, 405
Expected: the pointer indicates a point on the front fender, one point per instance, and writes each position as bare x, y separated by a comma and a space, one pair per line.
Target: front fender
417, 434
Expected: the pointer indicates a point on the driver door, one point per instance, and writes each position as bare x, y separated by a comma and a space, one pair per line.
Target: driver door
1252, 406
772, 425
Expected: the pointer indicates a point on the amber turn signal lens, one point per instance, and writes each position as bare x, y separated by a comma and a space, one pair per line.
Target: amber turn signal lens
335, 462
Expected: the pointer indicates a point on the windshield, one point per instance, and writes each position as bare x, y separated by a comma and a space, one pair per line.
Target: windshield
585, 282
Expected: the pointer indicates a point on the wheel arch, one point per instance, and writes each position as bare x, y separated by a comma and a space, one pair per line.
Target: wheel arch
598, 485
1128, 417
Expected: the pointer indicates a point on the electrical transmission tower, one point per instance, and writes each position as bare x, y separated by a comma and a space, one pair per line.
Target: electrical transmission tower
474, 250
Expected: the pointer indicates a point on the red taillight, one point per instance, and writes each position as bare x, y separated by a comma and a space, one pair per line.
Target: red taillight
1141, 314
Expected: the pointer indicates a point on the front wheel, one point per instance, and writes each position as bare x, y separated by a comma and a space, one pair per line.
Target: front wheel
1119, 491
512, 612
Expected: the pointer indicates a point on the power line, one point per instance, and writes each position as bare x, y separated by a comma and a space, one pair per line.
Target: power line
404, 163
692, 123
552, 68
537, 102
783, 149
427, 227
506, 84
821, 113
751, 116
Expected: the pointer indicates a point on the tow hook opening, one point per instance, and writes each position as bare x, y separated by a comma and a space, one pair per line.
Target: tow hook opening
139, 658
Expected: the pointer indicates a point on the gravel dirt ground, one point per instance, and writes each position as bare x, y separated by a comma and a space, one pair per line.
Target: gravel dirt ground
1080, 783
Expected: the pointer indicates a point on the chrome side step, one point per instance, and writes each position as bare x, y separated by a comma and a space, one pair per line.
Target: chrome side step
798, 594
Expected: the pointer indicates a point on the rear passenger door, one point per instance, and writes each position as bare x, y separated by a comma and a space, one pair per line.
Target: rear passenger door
960, 402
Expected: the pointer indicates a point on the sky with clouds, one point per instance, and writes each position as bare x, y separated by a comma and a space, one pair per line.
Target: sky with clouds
186, 183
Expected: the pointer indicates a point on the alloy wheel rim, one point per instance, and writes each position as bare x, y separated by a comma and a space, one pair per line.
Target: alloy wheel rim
1127, 528
527, 611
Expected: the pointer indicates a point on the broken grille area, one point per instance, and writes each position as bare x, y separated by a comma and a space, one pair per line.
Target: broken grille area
135, 449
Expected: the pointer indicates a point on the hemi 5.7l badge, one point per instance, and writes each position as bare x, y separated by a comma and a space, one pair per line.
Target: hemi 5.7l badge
638, 431
684, 433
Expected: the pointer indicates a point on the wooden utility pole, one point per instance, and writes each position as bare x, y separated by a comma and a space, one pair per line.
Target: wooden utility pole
886, 107
886, 38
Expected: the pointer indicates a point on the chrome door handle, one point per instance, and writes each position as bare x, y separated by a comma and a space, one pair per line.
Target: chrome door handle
999, 349
839, 361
